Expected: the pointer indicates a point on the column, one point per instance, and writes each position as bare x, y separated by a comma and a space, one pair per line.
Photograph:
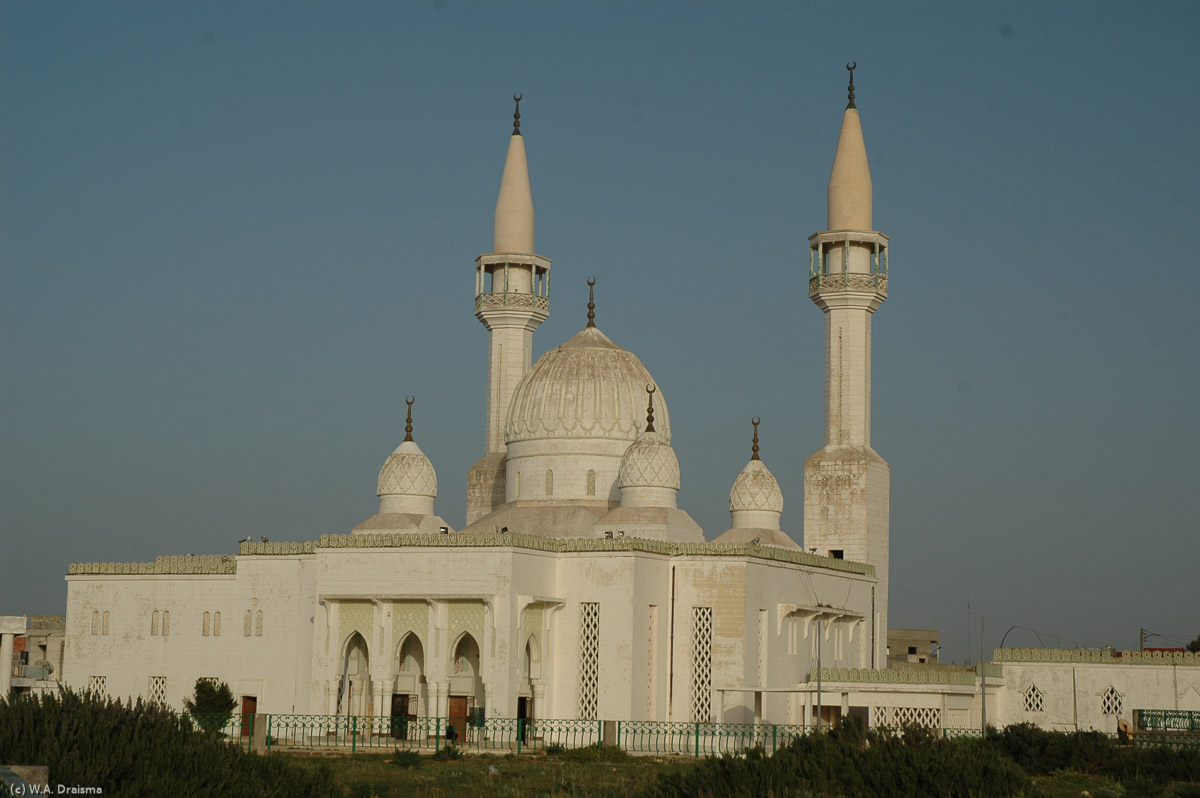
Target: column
6, 648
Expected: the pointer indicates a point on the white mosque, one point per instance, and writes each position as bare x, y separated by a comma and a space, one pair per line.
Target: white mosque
579, 589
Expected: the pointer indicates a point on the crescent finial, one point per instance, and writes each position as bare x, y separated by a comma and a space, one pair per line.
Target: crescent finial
650, 408
517, 115
591, 281
408, 421
850, 67
754, 448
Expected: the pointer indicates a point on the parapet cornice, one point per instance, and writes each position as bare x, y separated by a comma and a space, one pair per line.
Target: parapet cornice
178, 564
1102, 656
894, 676
227, 563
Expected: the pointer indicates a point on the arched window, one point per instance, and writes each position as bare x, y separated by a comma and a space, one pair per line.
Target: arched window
105, 631
206, 627
591, 482
258, 624
154, 623
95, 622
549, 482
246, 624
166, 626
216, 624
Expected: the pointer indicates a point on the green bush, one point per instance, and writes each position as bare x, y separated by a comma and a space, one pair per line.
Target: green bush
554, 749
448, 754
852, 761
140, 749
592, 753
407, 759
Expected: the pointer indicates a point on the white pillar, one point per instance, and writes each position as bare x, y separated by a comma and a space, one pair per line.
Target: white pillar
6, 667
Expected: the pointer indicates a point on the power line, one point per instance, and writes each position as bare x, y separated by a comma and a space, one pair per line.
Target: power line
1037, 632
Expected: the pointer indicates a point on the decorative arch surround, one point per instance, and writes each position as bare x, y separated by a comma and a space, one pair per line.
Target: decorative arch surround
354, 676
465, 616
410, 655
1111, 701
410, 617
1035, 700
355, 616
466, 667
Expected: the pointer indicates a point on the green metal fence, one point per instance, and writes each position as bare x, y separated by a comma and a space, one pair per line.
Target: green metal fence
364, 733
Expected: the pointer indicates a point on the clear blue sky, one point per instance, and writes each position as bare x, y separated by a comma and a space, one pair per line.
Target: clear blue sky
234, 235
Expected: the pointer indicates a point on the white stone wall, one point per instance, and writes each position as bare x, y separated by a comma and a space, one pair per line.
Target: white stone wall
1073, 693
270, 663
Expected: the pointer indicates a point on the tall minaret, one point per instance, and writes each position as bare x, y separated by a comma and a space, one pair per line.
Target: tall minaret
846, 484
512, 297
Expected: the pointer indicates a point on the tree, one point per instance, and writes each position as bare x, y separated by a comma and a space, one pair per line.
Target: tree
1194, 646
212, 704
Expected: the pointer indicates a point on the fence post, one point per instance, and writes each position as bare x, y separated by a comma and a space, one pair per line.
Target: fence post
437, 734
353, 733
619, 736
520, 730
599, 734
697, 740
268, 732
774, 739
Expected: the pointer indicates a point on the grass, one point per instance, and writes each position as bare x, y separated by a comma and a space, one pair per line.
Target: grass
535, 774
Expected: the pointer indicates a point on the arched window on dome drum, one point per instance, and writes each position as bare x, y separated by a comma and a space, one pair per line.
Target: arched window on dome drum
591, 482
216, 624
95, 622
105, 629
206, 629
154, 624
517, 486
549, 482
246, 624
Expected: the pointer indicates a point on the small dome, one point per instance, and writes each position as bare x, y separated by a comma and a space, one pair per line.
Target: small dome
587, 388
756, 489
407, 472
649, 462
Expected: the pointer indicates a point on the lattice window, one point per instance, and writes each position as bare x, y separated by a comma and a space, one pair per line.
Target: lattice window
589, 659
1035, 701
95, 622
158, 689
154, 623
166, 626
96, 684
206, 627
899, 717
591, 482
1111, 702
216, 624
702, 664
105, 630
246, 624
258, 624
549, 482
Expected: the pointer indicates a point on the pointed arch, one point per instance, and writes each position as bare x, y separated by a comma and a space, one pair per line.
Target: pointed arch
409, 657
354, 679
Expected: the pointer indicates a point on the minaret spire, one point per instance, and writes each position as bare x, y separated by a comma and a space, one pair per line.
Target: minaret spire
650, 409
512, 297
408, 421
591, 302
847, 484
754, 448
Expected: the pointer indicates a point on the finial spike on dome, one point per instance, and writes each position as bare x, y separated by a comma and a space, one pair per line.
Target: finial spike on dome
650, 408
517, 115
591, 302
850, 67
408, 421
754, 448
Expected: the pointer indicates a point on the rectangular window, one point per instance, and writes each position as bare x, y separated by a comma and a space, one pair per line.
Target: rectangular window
158, 689
96, 685
589, 659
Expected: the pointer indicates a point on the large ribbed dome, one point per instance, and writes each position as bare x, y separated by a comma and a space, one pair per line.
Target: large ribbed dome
587, 388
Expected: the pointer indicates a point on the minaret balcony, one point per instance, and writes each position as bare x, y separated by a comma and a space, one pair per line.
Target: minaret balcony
848, 261
512, 300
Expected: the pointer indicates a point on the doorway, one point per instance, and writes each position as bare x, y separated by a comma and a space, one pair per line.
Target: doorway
402, 715
249, 709
456, 722
524, 714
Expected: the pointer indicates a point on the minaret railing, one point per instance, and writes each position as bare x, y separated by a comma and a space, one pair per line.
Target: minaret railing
821, 278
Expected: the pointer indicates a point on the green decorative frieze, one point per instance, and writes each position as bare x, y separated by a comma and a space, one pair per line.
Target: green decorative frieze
277, 547
180, 564
894, 676
1101, 656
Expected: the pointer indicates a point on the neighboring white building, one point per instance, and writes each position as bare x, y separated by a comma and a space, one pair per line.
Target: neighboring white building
578, 589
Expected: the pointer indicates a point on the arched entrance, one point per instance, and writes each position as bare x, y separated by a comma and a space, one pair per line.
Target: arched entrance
531, 668
408, 696
466, 686
354, 681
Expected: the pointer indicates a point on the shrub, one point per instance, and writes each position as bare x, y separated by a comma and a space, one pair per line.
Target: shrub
448, 754
211, 704
407, 759
592, 753
140, 749
554, 749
